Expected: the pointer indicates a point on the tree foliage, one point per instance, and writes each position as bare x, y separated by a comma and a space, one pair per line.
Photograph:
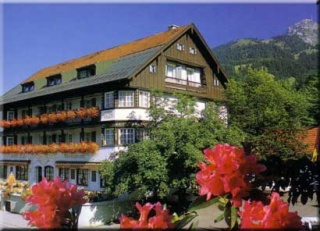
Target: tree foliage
270, 112
168, 159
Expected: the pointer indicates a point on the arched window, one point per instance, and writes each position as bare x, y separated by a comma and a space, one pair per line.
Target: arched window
48, 172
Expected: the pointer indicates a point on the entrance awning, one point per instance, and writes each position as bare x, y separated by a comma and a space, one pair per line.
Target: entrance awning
78, 164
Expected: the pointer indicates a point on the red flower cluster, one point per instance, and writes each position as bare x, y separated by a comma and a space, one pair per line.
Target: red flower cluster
54, 199
83, 147
274, 216
226, 172
161, 220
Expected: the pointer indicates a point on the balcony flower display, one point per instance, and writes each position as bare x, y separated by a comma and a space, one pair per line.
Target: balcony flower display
27, 120
83, 147
81, 113
52, 118
34, 120
93, 112
13, 123
61, 116
58, 205
19, 122
44, 119
71, 115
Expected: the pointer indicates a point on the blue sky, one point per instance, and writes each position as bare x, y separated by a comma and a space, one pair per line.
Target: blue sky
40, 35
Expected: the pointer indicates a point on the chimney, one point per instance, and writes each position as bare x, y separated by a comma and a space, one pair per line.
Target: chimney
172, 27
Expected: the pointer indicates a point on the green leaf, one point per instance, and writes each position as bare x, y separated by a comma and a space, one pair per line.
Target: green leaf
185, 220
219, 218
194, 225
201, 203
230, 215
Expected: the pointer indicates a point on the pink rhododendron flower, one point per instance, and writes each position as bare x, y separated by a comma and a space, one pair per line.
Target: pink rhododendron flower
161, 220
54, 199
228, 166
276, 215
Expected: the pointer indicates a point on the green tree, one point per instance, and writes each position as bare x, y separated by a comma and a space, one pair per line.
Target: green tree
168, 159
271, 113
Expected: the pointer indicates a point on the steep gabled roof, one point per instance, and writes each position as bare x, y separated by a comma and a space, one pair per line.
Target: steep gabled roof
125, 61
110, 54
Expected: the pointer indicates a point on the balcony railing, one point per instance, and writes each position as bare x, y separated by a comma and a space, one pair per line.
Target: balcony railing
187, 85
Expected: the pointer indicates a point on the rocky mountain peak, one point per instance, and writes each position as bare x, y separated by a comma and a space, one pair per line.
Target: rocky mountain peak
307, 30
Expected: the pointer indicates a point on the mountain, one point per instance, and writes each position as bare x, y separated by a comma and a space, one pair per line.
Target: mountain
293, 54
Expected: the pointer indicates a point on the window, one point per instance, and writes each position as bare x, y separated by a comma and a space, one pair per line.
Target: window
180, 47
26, 112
109, 136
142, 134
86, 72
126, 98
22, 172
28, 87
192, 50
10, 115
48, 172
54, 80
144, 99
73, 174
216, 82
82, 177
90, 103
170, 70
10, 141
64, 174
3, 171
109, 99
90, 136
153, 68
24, 140
93, 176
126, 136
69, 138
68, 106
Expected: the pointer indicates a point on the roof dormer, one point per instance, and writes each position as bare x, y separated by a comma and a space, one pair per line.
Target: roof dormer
54, 80
27, 87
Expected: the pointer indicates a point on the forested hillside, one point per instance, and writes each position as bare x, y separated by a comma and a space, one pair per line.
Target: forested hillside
288, 55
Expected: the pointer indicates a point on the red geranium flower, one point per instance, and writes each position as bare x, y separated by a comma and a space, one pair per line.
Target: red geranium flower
161, 220
228, 166
274, 216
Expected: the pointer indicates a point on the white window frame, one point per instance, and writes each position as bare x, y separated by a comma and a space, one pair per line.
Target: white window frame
180, 47
153, 68
144, 99
126, 98
10, 115
173, 66
10, 140
109, 99
216, 82
126, 136
192, 50
108, 136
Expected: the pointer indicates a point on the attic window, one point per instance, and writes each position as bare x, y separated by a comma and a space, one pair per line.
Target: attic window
86, 72
27, 87
192, 50
54, 80
216, 82
153, 68
180, 47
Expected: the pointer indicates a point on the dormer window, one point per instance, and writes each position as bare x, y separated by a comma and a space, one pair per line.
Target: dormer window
86, 72
54, 80
27, 87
